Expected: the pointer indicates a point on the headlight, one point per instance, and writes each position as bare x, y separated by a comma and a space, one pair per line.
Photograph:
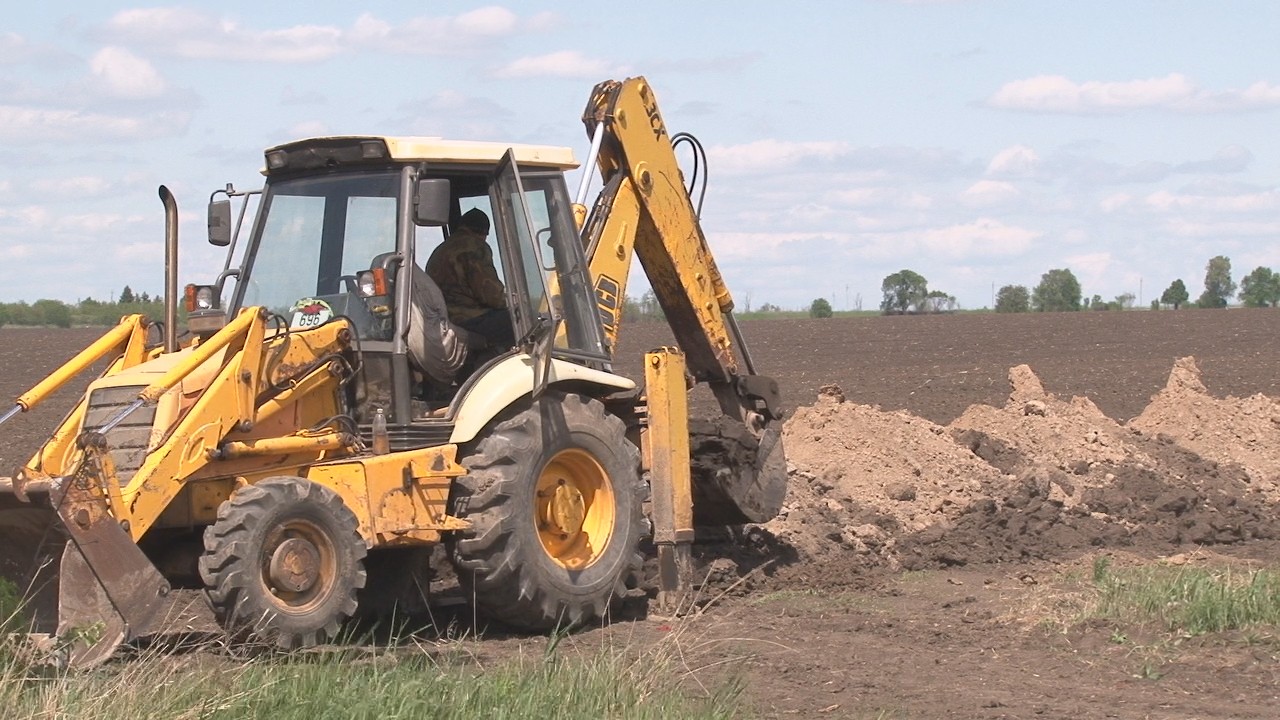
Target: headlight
372, 283
200, 297
204, 297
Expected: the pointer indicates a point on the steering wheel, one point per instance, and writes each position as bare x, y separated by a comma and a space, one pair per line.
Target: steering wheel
351, 283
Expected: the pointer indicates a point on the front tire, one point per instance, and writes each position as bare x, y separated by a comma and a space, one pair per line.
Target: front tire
553, 494
283, 562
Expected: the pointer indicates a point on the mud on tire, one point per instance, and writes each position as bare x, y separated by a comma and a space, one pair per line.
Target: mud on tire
553, 493
283, 563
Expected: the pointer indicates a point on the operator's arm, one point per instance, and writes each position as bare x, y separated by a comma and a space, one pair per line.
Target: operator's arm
482, 276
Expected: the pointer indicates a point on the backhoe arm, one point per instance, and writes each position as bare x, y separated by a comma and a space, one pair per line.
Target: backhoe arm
645, 210
738, 465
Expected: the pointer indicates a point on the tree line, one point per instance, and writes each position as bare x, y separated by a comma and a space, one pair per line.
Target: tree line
1059, 290
55, 313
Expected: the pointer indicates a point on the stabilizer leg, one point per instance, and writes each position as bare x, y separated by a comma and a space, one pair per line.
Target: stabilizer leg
666, 447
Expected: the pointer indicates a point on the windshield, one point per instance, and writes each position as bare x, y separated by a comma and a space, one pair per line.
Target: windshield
314, 234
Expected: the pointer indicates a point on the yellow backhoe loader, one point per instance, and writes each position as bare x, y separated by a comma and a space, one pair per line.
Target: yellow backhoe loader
290, 441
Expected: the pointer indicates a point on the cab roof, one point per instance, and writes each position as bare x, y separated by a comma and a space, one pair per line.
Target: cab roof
356, 148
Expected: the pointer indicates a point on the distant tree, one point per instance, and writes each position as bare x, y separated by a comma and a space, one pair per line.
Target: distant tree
20, 313
650, 309
1260, 288
1218, 285
630, 309
1155, 304
126, 296
1176, 294
1124, 301
820, 308
4, 314
1059, 290
937, 301
1013, 299
904, 290
51, 312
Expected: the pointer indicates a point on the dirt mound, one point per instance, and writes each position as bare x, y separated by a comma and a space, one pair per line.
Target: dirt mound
860, 474
1243, 431
1040, 477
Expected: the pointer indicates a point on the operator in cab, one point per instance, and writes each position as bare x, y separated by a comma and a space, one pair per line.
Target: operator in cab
463, 268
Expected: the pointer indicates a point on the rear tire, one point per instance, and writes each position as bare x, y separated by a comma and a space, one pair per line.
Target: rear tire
553, 494
283, 562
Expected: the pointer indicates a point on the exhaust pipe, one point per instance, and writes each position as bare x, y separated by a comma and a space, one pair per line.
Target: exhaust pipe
170, 270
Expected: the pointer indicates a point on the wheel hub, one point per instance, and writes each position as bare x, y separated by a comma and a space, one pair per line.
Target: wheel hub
295, 565
565, 509
574, 508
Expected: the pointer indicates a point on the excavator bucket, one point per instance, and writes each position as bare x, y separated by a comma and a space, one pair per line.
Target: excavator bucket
737, 478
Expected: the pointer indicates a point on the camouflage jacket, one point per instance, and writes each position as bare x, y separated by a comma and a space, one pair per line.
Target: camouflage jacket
463, 268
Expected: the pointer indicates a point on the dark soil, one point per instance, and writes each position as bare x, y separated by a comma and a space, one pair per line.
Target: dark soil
935, 366
964, 632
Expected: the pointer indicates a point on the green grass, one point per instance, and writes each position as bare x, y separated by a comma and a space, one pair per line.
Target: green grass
1190, 600
431, 681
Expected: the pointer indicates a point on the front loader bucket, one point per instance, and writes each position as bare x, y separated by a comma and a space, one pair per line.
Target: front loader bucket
31, 543
81, 575
737, 478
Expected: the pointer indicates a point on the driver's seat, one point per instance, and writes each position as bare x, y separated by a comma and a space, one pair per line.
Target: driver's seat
436, 346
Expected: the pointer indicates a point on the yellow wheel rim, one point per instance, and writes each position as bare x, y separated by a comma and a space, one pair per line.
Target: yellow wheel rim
574, 509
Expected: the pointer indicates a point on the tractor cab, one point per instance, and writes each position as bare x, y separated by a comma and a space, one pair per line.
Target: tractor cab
344, 228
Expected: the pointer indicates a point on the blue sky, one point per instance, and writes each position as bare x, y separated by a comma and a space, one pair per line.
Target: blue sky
977, 142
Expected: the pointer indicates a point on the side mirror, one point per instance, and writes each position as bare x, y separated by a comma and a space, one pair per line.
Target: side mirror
220, 223
431, 202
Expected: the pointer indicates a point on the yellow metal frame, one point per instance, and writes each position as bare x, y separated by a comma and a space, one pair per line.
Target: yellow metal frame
128, 343
665, 444
398, 498
649, 209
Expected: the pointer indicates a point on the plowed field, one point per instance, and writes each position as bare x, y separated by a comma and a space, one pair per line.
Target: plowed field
954, 482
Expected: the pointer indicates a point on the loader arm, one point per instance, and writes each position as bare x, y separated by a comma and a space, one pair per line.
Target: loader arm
126, 345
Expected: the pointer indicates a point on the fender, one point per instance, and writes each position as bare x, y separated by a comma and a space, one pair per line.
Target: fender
512, 379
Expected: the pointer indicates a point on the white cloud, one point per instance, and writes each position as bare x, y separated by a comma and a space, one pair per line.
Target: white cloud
1090, 268
13, 48
122, 74
32, 124
987, 193
95, 224
1176, 92
881, 197
1217, 231
983, 237
190, 33
491, 20
307, 128
80, 186
1118, 201
28, 217
772, 155
1165, 201
442, 35
1014, 161
562, 64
